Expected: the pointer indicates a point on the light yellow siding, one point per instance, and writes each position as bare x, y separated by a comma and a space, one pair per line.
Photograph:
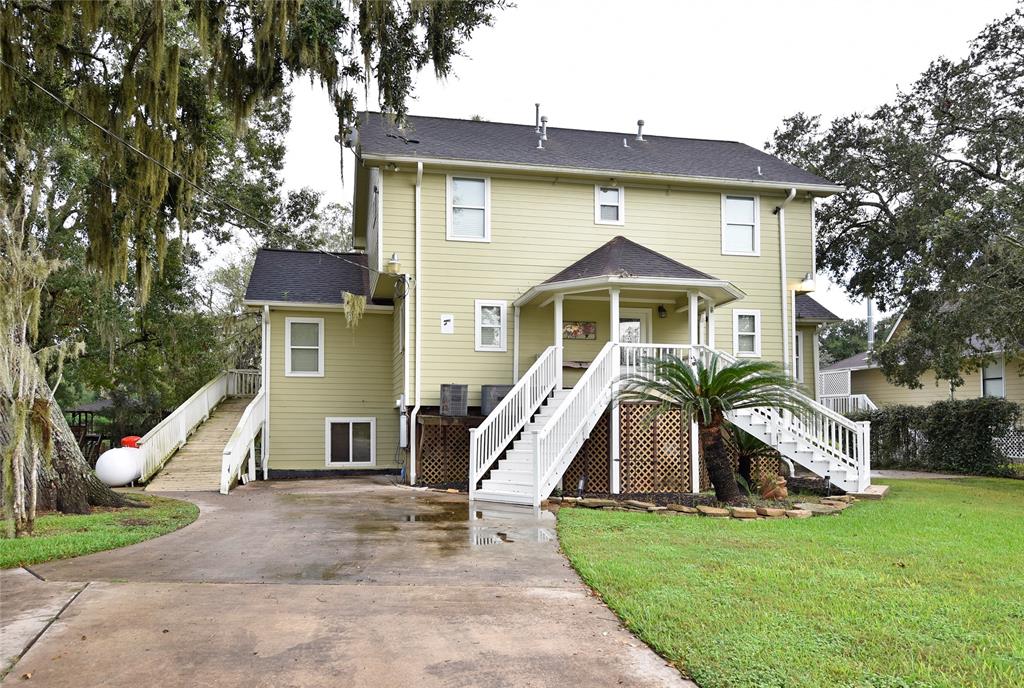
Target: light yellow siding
873, 383
356, 383
541, 225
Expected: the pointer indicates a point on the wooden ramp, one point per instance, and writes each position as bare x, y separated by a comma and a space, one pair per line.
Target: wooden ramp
196, 466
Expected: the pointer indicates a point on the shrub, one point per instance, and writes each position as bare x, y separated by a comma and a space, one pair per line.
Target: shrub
948, 436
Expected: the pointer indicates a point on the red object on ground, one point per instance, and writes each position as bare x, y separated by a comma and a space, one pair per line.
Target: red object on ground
130, 441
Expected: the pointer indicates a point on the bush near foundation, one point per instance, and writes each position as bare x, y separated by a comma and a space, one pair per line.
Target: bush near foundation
948, 436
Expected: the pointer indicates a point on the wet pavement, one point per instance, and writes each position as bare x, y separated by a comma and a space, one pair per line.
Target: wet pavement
358, 582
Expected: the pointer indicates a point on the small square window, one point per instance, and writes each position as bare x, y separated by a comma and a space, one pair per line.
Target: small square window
747, 333
469, 209
491, 325
740, 226
609, 205
351, 441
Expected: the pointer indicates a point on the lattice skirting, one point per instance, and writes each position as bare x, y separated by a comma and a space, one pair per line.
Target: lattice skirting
592, 459
443, 453
1012, 444
654, 452
767, 467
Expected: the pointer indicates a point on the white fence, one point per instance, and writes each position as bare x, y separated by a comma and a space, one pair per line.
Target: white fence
848, 403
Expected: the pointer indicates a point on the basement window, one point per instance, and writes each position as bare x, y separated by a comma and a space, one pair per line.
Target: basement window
741, 226
351, 441
469, 208
304, 347
609, 205
746, 333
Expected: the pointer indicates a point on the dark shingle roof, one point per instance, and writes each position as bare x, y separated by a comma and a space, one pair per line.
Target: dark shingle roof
860, 360
809, 309
306, 276
624, 258
496, 142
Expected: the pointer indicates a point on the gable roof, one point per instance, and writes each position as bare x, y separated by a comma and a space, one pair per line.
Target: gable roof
441, 138
621, 257
809, 309
855, 362
306, 276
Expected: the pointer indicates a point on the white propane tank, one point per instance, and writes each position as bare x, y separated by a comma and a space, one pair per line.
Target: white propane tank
119, 466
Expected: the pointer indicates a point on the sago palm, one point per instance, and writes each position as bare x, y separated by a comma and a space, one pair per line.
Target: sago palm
708, 391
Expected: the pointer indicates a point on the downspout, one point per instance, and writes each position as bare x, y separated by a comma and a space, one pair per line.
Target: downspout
780, 210
418, 286
265, 364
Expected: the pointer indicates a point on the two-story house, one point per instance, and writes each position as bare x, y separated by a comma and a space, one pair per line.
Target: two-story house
553, 260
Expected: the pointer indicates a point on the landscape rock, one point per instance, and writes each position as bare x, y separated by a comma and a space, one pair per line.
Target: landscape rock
637, 504
798, 513
656, 508
818, 509
682, 509
743, 512
713, 511
594, 503
840, 498
770, 512
835, 505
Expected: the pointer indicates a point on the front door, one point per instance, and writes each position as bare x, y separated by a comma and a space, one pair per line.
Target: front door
634, 325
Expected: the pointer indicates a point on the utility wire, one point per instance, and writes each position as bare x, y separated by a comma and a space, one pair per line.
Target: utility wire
130, 146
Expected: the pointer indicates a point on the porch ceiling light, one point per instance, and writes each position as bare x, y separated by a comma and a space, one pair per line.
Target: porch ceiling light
662, 311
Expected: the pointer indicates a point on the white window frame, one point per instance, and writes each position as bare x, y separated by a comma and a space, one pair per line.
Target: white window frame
371, 420
1002, 372
757, 225
449, 197
477, 306
736, 313
597, 205
798, 355
288, 347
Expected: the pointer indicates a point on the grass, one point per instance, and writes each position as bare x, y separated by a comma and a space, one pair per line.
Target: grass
923, 589
59, 537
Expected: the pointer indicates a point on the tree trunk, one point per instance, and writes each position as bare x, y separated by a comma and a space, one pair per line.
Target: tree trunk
65, 483
716, 459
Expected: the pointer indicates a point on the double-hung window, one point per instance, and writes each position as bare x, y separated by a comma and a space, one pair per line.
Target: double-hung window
469, 208
304, 347
992, 379
351, 441
741, 230
609, 205
746, 333
491, 325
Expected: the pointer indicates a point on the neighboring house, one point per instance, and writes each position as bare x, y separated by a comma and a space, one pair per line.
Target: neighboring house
857, 383
552, 259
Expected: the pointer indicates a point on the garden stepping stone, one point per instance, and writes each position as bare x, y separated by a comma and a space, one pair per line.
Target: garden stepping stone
713, 511
743, 512
818, 509
637, 504
682, 509
593, 503
770, 512
798, 513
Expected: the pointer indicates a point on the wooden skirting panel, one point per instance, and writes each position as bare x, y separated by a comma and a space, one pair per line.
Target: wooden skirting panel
591, 459
654, 452
443, 450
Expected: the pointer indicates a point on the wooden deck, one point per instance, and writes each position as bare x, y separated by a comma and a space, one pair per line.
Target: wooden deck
196, 466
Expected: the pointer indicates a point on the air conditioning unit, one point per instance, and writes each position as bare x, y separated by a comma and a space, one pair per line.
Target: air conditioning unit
454, 400
491, 395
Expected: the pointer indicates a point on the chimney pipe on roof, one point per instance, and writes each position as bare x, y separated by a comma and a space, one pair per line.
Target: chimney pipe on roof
639, 130
537, 117
544, 128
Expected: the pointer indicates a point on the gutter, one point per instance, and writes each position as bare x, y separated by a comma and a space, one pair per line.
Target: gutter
780, 210
313, 306
821, 189
265, 351
418, 286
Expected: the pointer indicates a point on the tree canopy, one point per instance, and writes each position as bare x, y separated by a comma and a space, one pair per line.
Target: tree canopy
932, 218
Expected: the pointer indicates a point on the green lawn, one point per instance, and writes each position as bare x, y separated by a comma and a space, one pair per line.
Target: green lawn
59, 537
925, 588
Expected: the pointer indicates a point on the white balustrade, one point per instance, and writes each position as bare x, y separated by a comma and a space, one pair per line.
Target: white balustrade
242, 443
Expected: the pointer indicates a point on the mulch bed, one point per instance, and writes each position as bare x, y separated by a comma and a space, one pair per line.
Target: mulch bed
684, 498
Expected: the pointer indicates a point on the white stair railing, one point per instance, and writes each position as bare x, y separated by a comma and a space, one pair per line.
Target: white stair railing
244, 383
242, 443
488, 440
849, 403
569, 426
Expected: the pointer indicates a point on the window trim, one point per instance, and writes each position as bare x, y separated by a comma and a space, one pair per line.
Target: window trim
798, 355
288, 372
598, 204
477, 324
736, 313
1002, 376
449, 209
757, 225
351, 420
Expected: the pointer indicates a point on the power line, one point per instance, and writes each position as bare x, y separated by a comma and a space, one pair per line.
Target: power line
130, 146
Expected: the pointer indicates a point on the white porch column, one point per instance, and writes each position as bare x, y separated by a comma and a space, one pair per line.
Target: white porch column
558, 340
694, 452
711, 325
694, 318
515, 345
613, 421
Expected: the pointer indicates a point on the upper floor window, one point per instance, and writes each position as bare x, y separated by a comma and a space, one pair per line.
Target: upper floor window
491, 325
741, 231
746, 333
992, 379
304, 347
609, 205
469, 208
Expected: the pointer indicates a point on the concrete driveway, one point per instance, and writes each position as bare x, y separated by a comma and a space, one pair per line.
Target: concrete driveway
325, 583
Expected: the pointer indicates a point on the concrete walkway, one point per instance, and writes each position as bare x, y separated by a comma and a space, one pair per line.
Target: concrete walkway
329, 583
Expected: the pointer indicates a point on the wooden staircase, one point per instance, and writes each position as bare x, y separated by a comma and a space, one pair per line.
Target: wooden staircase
197, 465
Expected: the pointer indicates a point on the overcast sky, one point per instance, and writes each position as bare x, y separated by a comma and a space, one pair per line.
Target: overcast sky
722, 70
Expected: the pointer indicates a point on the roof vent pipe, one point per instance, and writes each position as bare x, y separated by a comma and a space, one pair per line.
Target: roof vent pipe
544, 128
639, 130
537, 117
